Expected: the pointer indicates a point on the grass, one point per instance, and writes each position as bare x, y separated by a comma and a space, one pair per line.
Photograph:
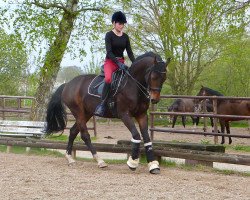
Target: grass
164, 122
33, 151
239, 148
64, 138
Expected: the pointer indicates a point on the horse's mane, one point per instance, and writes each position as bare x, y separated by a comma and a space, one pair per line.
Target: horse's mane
212, 92
149, 54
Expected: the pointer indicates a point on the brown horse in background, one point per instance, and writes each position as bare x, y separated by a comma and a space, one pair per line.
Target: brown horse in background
142, 85
227, 107
183, 105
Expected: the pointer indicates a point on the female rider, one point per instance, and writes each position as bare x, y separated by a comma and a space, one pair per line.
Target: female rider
116, 41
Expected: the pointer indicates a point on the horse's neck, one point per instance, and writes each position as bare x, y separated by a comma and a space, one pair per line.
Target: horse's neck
139, 71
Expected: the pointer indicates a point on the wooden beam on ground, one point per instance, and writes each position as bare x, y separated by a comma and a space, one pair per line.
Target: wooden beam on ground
118, 148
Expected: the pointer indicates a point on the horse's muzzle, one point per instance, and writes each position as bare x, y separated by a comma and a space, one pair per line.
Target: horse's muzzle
154, 101
154, 97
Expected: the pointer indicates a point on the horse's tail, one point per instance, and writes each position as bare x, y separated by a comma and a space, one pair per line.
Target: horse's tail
56, 115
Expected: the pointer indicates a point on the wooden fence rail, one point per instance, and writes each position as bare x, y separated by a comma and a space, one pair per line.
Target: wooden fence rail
214, 115
124, 148
20, 108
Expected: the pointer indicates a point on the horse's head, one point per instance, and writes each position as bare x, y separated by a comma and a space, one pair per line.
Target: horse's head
155, 78
203, 92
197, 102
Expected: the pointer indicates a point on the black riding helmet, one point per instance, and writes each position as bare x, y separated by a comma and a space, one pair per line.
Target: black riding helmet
119, 17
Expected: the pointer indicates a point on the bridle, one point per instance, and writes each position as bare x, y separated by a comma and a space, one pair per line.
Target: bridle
146, 90
150, 70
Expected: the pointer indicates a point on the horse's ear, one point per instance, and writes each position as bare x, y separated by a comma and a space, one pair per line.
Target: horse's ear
155, 60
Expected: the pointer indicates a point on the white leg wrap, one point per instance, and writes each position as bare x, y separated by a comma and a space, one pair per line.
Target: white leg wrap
133, 163
100, 162
148, 144
135, 141
153, 165
70, 159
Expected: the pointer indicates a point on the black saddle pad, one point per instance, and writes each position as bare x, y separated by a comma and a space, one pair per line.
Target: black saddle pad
118, 82
96, 85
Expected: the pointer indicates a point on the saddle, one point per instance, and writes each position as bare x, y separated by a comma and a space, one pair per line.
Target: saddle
119, 79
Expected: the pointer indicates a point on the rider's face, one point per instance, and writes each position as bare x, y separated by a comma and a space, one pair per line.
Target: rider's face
118, 26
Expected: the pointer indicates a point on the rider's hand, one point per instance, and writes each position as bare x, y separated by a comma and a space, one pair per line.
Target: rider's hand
122, 66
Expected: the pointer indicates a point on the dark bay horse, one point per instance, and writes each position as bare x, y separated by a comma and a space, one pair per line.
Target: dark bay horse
227, 107
183, 105
143, 85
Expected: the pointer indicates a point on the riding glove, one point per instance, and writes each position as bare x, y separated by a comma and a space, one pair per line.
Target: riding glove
122, 66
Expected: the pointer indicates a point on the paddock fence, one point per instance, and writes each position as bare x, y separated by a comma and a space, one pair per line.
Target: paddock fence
203, 113
19, 108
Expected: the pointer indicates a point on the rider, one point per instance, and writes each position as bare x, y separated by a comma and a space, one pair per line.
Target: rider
116, 41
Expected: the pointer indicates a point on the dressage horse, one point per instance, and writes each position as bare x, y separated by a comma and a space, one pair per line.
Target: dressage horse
142, 85
227, 107
183, 105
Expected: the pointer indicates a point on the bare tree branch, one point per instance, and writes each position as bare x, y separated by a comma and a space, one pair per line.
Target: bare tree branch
88, 9
51, 5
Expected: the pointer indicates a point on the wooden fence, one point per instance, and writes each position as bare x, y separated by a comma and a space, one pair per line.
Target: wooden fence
24, 107
204, 114
123, 147
19, 108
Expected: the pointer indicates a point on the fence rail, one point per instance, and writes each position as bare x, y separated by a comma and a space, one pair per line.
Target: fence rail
117, 148
204, 114
17, 108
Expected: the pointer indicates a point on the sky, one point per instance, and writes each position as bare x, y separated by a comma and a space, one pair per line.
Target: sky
67, 59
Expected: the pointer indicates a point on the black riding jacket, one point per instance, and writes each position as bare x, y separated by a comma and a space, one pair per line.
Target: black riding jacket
115, 46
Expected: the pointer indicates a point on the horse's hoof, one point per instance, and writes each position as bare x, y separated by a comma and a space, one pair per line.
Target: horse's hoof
154, 167
102, 165
70, 160
73, 163
133, 164
155, 171
131, 168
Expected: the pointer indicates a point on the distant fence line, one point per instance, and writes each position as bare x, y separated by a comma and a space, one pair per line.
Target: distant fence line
19, 107
204, 114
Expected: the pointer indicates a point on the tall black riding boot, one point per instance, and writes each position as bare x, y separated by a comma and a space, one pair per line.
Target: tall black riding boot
101, 108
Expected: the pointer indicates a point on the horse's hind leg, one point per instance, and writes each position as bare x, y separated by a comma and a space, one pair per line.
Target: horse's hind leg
81, 122
183, 119
174, 120
228, 131
72, 135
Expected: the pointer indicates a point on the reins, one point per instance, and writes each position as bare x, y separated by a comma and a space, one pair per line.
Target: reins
139, 85
143, 89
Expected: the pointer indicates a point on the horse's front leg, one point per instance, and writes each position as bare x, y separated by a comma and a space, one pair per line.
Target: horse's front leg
153, 164
133, 161
222, 126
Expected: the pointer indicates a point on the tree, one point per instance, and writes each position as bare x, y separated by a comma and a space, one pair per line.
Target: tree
231, 71
13, 64
53, 22
68, 73
194, 33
